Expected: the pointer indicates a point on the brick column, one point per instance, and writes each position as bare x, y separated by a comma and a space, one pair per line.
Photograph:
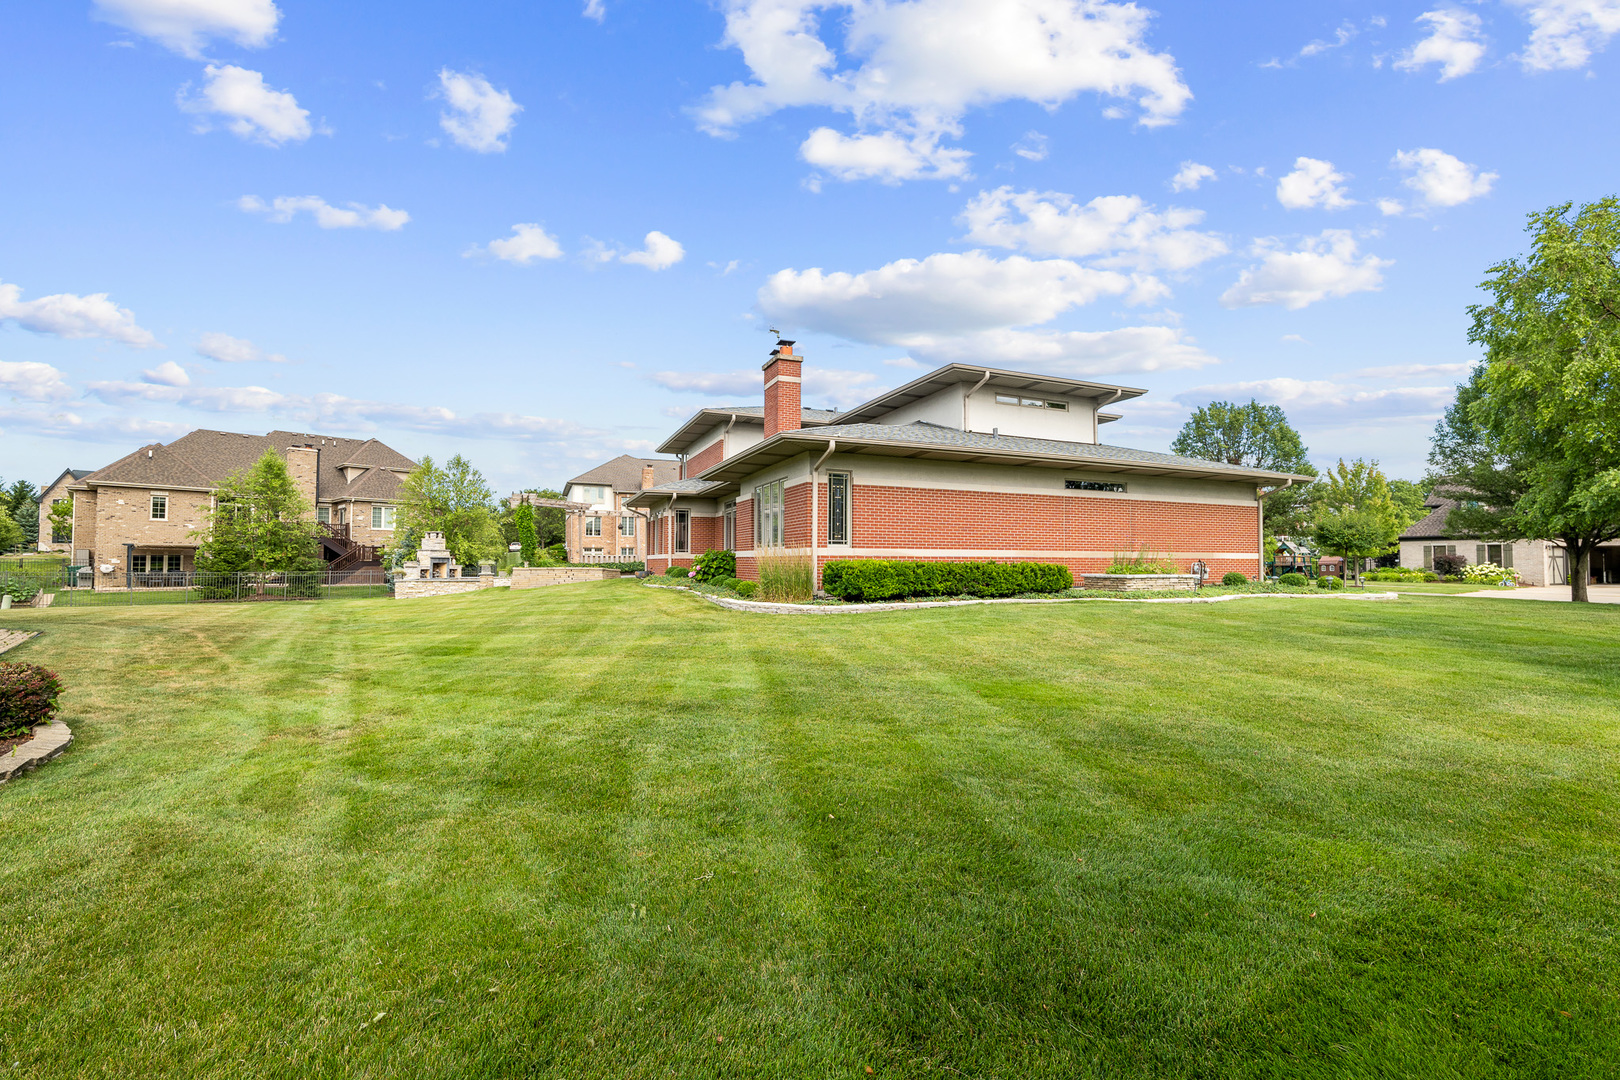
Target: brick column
782, 390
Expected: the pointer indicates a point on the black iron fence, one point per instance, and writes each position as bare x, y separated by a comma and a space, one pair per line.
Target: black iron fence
82, 586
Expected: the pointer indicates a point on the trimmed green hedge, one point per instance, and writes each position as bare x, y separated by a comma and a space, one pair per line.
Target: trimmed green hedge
885, 579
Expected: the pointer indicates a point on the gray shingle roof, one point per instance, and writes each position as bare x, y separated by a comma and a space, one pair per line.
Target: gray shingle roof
623, 473
203, 458
684, 487
937, 435
1433, 525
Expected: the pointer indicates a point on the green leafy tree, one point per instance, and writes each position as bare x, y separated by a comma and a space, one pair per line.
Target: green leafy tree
1410, 497
526, 535
1534, 436
26, 515
1259, 437
260, 521
549, 521
454, 500
19, 493
11, 536
1356, 515
61, 515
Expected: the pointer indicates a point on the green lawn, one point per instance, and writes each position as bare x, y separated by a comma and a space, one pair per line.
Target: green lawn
611, 831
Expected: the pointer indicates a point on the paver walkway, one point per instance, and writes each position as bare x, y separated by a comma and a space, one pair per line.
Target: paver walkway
1599, 594
8, 638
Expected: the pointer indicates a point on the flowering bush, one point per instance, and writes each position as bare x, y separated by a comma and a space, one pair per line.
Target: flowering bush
715, 564
1486, 573
28, 696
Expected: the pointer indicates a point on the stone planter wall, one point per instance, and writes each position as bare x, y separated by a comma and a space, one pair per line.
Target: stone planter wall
1139, 582
535, 577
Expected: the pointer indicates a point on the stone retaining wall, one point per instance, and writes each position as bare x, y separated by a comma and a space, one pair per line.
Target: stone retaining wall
1139, 582
535, 577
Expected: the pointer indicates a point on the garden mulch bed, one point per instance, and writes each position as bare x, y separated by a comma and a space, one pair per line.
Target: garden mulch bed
8, 741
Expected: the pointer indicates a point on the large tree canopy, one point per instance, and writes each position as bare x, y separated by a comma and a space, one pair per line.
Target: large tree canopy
260, 521
454, 500
1534, 436
1259, 437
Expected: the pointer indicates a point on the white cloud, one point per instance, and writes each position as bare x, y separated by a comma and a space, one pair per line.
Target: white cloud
1119, 231
594, 10
903, 362
93, 429
233, 350
1033, 146
1341, 37
1565, 33
32, 381
167, 373
1074, 353
528, 242
1295, 339
822, 385
356, 216
945, 294
1407, 371
1391, 207
1326, 400
65, 315
886, 156
480, 116
1454, 42
185, 25
1440, 179
1190, 175
1322, 267
913, 69
658, 252
251, 109
1313, 183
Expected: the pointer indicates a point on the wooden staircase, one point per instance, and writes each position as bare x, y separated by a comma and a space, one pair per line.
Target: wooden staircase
343, 553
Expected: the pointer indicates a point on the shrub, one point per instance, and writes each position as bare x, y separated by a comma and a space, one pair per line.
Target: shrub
715, 564
885, 579
677, 572
1401, 573
746, 589
1232, 577
1446, 565
28, 695
557, 552
785, 578
1295, 580
1487, 573
1144, 562
1329, 583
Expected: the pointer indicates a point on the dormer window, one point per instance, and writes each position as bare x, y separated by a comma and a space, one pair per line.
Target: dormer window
1031, 403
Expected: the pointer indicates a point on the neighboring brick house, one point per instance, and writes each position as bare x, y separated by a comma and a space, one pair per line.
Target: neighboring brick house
599, 528
138, 515
1539, 562
53, 493
966, 462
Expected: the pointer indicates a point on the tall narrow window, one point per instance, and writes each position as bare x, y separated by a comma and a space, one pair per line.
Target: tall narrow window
838, 508
627, 525
683, 530
731, 526
768, 515
160, 508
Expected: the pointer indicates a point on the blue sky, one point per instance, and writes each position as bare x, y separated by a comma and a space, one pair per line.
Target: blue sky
535, 233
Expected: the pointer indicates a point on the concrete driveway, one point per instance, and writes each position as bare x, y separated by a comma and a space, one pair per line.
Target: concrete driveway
1600, 594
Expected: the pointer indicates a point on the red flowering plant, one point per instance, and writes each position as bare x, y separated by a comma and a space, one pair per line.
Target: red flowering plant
28, 696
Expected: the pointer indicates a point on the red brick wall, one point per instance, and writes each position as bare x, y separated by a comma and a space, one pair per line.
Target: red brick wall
704, 459
707, 533
796, 516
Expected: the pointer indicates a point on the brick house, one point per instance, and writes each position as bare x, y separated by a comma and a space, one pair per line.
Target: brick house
598, 526
1539, 562
966, 462
57, 491
135, 518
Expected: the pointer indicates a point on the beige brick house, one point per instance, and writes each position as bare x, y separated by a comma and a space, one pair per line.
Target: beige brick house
605, 530
134, 519
52, 493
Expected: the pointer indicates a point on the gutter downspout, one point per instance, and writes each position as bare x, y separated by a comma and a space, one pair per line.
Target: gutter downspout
725, 438
976, 388
815, 510
669, 511
1096, 421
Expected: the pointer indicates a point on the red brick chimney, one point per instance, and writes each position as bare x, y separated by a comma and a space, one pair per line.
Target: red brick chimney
647, 478
782, 390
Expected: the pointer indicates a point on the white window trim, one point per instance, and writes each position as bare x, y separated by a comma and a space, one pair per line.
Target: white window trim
675, 532
384, 514
151, 505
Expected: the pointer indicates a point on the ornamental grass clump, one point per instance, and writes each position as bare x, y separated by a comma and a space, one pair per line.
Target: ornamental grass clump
1144, 561
785, 578
28, 696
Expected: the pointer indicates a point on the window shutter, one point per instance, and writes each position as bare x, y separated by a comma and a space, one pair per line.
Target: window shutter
1507, 555
1479, 553
1428, 556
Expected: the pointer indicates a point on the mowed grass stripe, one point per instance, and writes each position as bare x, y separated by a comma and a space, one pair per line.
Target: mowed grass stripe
584, 831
